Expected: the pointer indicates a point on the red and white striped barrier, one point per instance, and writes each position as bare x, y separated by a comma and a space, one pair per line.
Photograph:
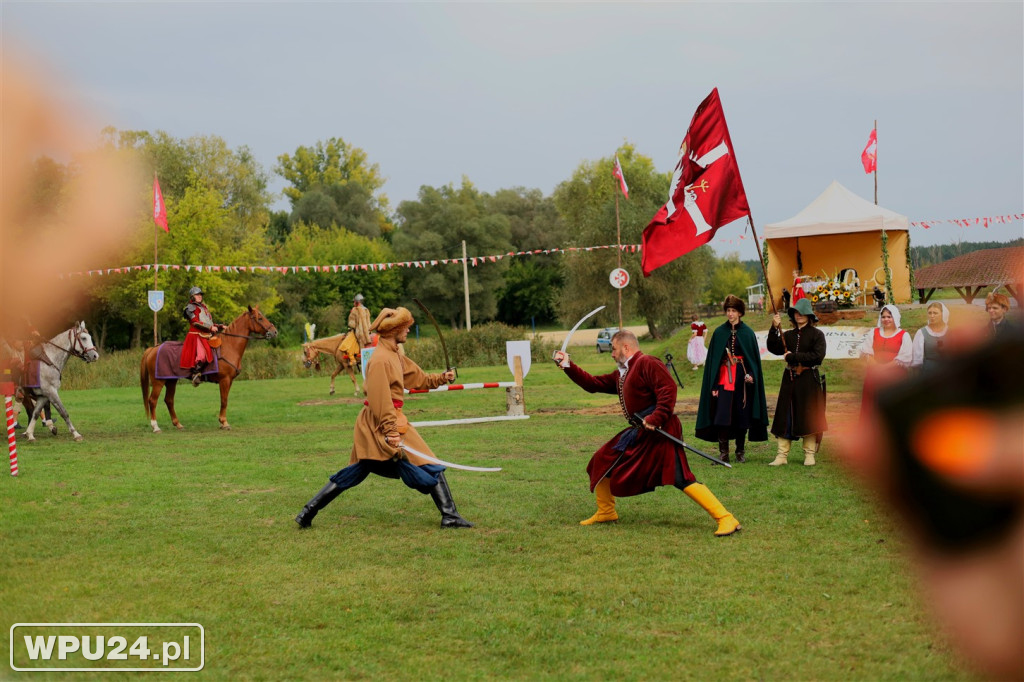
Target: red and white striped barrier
12, 446
463, 387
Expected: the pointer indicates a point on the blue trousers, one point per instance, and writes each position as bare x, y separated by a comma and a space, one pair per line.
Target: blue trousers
422, 478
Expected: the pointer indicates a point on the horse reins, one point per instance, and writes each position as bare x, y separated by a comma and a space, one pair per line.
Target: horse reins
266, 332
75, 341
252, 316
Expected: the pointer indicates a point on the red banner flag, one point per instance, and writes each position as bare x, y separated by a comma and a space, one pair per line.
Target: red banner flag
706, 191
617, 172
867, 157
159, 208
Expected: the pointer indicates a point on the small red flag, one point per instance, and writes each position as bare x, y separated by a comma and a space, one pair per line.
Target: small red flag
617, 172
706, 191
867, 157
159, 208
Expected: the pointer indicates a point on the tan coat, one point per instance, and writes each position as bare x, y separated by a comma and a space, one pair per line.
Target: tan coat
359, 322
387, 375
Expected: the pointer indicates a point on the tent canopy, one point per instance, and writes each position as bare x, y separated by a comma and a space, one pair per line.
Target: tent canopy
837, 210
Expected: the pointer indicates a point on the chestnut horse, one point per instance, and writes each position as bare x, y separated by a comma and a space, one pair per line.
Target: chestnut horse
331, 345
249, 325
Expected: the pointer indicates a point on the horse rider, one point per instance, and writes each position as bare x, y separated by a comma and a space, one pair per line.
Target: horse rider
28, 346
196, 353
359, 321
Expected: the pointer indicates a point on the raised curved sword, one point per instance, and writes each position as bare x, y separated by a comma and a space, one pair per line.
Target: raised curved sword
440, 337
565, 343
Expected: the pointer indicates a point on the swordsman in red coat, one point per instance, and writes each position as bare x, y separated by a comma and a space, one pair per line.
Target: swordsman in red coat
196, 353
637, 460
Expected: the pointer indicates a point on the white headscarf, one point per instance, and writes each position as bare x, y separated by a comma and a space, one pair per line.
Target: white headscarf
894, 311
945, 311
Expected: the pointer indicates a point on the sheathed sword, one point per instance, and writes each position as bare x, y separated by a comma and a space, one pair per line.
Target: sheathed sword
435, 460
565, 342
444, 347
658, 429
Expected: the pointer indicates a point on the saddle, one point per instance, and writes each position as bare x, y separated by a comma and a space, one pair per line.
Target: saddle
168, 356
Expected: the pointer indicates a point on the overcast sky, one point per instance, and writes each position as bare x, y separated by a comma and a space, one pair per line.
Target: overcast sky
519, 94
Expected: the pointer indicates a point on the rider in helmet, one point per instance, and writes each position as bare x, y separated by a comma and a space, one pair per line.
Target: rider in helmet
196, 353
359, 321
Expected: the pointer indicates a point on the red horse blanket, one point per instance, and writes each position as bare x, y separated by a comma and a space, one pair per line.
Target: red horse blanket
168, 355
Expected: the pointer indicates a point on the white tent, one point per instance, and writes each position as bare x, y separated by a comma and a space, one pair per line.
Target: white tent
837, 210
838, 231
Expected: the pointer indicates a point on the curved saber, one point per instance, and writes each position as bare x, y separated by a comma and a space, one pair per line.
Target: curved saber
572, 331
435, 460
440, 337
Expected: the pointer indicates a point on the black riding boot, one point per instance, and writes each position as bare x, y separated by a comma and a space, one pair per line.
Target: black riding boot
319, 501
442, 496
741, 444
723, 448
197, 375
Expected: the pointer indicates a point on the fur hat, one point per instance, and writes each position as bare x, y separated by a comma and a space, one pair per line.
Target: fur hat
998, 299
391, 321
803, 306
734, 302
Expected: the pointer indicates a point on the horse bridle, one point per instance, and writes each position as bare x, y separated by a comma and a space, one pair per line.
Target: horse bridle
252, 317
71, 350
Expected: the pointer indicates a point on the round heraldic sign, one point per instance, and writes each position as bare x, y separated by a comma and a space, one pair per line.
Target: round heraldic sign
619, 278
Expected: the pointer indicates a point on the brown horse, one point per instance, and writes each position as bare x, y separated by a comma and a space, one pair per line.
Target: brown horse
249, 325
331, 345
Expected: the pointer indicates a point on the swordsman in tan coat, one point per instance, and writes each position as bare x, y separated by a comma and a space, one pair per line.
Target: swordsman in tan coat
382, 429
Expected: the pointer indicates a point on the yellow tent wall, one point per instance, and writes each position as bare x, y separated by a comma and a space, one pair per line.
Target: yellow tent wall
830, 253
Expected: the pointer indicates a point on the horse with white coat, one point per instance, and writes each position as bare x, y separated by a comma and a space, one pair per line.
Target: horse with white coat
53, 356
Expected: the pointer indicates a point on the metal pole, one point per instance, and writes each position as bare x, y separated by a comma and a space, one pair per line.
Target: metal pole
618, 242
156, 236
465, 283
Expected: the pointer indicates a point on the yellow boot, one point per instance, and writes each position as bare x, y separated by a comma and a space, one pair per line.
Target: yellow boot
605, 504
727, 523
783, 454
810, 447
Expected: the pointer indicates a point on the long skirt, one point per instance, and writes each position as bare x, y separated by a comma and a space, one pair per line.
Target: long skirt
696, 353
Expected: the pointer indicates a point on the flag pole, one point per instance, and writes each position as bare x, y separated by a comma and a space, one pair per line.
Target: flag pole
618, 242
760, 259
876, 162
156, 236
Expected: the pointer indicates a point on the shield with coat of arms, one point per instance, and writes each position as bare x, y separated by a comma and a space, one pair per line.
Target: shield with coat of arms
156, 301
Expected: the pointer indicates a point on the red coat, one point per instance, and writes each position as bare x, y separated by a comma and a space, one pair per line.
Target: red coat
200, 322
651, 460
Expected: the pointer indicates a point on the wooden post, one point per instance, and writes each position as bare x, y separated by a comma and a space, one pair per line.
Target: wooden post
465, 283
515, 403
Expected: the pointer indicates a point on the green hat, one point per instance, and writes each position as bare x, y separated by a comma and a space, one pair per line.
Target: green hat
803, 306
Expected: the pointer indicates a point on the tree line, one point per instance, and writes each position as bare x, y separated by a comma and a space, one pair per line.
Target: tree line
220, 212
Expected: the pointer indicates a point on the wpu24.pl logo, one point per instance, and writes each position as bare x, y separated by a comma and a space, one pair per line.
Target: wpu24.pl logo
95, 647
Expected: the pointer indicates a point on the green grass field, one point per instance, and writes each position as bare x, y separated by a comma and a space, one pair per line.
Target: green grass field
196, 526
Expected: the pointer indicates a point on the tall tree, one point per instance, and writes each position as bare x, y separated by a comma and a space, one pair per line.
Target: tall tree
218, 207
532, 283
728, 276
325, 298
586, 203
433, 227
328, 168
